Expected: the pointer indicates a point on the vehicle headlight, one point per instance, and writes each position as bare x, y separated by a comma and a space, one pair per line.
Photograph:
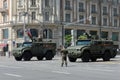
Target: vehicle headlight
78, 49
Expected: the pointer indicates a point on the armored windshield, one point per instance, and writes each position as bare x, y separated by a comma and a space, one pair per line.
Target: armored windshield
83, 42
27, 44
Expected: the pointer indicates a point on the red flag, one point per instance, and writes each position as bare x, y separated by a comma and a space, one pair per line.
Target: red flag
29, 33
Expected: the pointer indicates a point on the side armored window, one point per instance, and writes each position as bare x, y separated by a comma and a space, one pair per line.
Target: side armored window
95, 43
99, 43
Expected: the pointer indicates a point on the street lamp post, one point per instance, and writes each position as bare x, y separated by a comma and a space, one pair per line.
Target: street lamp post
24, 35
100, 31
63, 33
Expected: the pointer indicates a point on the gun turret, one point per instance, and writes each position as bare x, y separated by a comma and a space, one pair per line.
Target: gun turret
88, 35
35, 39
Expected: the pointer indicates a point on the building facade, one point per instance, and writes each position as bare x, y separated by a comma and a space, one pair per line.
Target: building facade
96, 17
53, 19
5, 18
38, 16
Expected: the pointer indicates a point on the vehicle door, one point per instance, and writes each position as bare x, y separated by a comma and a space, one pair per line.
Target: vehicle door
96, 47
37, 48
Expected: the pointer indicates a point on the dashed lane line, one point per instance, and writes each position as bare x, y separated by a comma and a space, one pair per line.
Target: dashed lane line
103, 70
14, 67
13, 75
60, 72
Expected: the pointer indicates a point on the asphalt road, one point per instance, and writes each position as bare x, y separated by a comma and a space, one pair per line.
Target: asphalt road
51, 70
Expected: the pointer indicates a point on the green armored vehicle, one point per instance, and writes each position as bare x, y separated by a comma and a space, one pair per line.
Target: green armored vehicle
92, 50
35, 49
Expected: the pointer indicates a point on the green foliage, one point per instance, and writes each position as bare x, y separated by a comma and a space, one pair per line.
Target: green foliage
68, 39
82, 37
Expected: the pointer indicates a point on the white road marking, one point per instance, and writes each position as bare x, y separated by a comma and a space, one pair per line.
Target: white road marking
106, 70
60, 72
14, 75
5, 66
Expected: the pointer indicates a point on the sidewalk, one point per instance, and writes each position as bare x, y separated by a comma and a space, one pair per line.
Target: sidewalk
6, 58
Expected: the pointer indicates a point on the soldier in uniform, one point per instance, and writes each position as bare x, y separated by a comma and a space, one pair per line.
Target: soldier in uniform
64, 56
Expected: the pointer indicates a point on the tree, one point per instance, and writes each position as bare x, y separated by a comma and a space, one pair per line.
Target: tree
68, 39
82, 37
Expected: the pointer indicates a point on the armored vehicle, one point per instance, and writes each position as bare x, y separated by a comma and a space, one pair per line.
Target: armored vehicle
35, 49
92, 50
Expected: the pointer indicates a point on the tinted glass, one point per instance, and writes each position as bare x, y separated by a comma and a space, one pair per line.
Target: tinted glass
83, 42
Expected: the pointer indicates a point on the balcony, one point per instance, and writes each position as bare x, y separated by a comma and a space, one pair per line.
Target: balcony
3, 10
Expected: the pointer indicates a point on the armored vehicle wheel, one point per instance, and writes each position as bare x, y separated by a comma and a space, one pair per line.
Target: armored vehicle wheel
40, 57
18, 58
93, 59
27, 56
49, 55
106, 56
85, 56
72, 59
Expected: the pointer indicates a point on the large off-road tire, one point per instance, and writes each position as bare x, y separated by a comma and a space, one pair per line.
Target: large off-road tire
106, 56
18, 58
85, 56
93, 59
27, 56
72, 59
49, 55
40, 57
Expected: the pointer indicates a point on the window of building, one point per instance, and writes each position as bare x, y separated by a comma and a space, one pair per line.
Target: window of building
5, 4
47, 3
33, 15
81, 7
93, 7
34, 32
5, 17
115, 1
67, 17
20, 33
115, 36
67, 4
104, 21
80, 32
81, 19
115, 22
5, 33
20, 16
46, 16
67, 31
115, 11
104, 10
33, 2
20, 3
47, 34
104, 35
93, 33
93, 20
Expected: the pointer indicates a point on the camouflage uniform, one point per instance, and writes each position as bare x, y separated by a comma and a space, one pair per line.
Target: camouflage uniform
64, 57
